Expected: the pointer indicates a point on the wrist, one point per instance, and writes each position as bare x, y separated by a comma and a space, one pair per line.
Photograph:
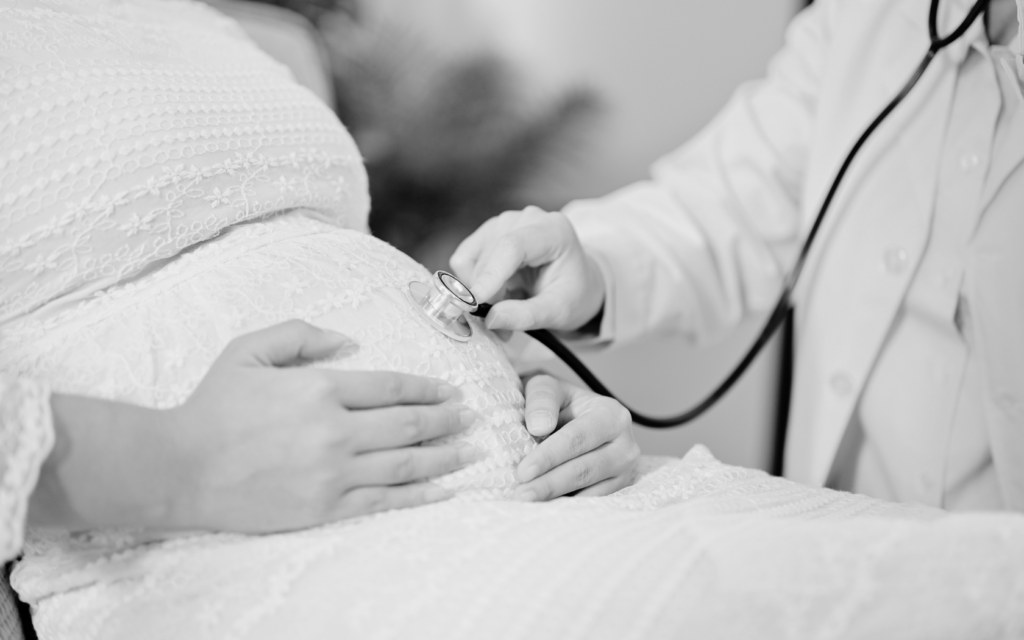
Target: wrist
106, 468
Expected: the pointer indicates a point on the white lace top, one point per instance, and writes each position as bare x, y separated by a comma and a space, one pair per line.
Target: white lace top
130, 131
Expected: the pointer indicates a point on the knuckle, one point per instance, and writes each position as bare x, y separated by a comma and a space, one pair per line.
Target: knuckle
509, 216
404, 468
511, 243
342, 439
634, 451
579, 443
543, 383
543, 461
623, 416
445, 462
558, 315
415, 423
541, 392
451, 461
319, 386
543, 398
292, 329
237, 344
619, 414
323, 503
373, 499
393, 387
583, 475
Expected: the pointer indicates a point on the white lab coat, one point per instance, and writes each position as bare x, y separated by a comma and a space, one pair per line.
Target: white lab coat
708, 239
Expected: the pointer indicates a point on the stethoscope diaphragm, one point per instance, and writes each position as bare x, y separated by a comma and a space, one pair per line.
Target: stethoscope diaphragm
444, 303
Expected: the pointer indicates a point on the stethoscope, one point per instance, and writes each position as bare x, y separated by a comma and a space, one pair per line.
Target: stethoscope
445, 301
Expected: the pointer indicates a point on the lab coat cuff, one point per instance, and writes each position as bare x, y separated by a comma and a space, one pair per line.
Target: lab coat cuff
625, 291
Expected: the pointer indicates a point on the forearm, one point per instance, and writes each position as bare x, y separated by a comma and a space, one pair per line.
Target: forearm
707, 240
106, 467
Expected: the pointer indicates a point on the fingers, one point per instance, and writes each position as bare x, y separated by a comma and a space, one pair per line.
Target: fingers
394, 427
528, 246
541, 311
607, 487
545, 398
402, 466
365, 500
372, 389
464, 259
592, 449
286, 343
575, 439
578, 473
492, 254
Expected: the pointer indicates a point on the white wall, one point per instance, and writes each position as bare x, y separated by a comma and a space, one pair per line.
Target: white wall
662, 69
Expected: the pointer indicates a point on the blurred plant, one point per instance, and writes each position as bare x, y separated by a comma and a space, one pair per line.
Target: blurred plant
448, 142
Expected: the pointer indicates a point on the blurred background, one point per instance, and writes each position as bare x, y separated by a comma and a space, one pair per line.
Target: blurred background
465, 108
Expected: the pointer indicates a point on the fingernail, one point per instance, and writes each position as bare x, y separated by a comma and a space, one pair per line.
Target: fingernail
468, 453
540, 423
446, 391
496, 320
525, 495
435, 494
527, 472
467, 417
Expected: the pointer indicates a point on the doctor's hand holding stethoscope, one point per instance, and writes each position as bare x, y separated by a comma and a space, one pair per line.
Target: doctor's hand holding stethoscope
537, 253
726, 225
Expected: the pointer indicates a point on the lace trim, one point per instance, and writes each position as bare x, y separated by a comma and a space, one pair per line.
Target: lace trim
26, 437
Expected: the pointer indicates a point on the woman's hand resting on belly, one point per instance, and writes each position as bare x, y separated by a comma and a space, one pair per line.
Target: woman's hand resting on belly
257, 447
592, 452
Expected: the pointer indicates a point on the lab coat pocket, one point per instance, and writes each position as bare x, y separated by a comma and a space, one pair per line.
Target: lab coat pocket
994, 292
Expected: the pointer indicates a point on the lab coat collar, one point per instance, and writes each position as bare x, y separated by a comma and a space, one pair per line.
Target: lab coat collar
951, 12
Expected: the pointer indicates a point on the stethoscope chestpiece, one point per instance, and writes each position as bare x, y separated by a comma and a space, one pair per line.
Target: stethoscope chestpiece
444, 302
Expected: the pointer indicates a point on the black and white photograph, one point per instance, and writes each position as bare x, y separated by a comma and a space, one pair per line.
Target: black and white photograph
511, 319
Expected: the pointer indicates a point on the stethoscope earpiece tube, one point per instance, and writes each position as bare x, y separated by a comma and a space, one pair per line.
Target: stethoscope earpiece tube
778, 315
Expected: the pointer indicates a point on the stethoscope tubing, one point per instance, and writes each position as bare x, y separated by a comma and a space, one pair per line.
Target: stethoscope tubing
778, 314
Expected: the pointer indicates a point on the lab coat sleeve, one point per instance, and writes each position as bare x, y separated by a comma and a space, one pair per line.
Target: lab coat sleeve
709, 237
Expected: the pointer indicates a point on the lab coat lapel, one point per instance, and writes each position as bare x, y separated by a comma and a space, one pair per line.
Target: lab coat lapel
875, 81
855, 313
1011, 155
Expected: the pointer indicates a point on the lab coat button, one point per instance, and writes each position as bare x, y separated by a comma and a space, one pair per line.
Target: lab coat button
895, 260
841, 384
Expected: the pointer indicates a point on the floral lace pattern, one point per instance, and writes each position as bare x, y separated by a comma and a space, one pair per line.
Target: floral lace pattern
132, 130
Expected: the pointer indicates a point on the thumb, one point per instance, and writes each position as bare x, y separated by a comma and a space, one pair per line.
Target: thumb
288, 343
528, 246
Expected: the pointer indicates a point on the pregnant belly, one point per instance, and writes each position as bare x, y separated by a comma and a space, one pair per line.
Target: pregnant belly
150, 341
